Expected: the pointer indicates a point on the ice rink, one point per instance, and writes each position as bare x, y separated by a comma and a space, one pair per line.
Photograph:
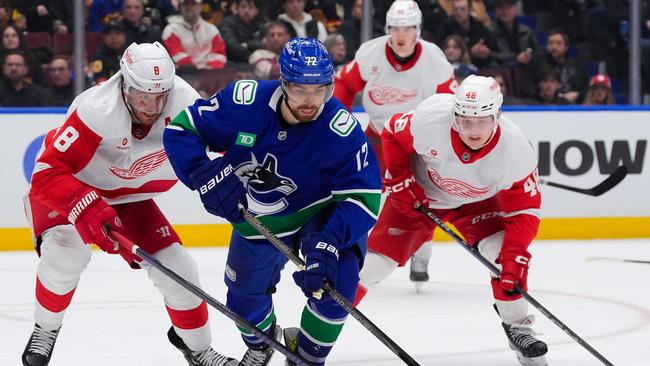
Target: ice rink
117, 316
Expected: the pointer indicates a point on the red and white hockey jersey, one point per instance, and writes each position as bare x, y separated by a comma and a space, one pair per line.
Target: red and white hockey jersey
389, 87
99, 147
423, 143
200, 45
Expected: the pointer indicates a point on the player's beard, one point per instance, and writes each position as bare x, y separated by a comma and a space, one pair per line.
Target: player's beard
144, 118
299, 112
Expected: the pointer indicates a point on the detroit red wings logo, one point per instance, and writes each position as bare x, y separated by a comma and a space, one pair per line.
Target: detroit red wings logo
455, 187
382, 95
142, 166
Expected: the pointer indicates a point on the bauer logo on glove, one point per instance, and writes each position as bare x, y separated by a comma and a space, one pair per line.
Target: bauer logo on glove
217, 178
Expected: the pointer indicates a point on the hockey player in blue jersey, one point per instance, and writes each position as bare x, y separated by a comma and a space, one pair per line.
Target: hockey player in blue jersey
301, 163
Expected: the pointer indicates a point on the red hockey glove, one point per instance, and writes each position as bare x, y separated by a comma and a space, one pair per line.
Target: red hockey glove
405, 192
92, 218
514, 266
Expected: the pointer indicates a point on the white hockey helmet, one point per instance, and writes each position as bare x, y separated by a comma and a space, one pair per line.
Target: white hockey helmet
148, 68
478, 96
404, 13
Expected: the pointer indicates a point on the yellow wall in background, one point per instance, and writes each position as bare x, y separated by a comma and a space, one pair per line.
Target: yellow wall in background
551, 229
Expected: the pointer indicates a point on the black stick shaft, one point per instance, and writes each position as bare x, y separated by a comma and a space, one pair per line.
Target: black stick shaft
135, 249
523, 293
343, 302
604, 186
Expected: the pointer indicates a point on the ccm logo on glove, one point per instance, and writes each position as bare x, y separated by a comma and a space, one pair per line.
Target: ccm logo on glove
521, 260
81, 205
217, 178
398, 187
330, 248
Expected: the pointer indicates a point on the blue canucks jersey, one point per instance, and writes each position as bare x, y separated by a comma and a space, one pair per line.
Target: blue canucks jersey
291, 172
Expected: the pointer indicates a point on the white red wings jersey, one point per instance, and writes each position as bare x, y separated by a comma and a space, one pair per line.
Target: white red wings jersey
389, 87
200, 44
423, 143
98, 147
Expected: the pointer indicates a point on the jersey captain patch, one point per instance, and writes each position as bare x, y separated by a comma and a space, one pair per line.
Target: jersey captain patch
343, 123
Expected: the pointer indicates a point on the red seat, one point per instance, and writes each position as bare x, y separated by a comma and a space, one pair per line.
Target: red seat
63, 41
38, 40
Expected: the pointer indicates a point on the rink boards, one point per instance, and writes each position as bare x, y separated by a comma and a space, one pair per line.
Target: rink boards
576, 146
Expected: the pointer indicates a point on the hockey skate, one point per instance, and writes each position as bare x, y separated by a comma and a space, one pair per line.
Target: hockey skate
291, 341
530, 350
39, 347
261, 357
419, 274
207, 357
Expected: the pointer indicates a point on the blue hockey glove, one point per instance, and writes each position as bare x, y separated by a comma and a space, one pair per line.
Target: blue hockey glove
321, 262
220, 189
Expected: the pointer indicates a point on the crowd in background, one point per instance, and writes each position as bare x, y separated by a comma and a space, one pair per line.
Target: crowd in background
548, 52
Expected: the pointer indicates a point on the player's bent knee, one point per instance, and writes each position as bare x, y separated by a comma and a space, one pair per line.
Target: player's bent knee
376, 268
177, 259
63, 252
490, 246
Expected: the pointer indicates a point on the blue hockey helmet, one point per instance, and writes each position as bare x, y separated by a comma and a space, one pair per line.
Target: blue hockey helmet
306, 61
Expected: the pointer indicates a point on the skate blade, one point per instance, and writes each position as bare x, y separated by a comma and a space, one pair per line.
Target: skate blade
529, 361
418, 287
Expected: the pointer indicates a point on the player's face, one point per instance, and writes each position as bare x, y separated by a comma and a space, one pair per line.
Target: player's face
475, 131
146, 106
304, 100
403, 40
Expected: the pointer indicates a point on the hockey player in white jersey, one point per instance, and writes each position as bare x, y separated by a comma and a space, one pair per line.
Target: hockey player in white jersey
98, 173
395, 73
473, 167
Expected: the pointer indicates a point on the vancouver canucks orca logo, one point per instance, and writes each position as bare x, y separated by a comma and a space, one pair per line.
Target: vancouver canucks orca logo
267, 190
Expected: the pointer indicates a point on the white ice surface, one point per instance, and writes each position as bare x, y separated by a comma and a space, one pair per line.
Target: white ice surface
117, 316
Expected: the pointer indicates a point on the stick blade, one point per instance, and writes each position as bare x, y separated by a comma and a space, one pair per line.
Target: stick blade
619, 174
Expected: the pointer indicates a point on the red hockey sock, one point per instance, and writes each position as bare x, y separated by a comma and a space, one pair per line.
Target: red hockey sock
361, 293
49, 300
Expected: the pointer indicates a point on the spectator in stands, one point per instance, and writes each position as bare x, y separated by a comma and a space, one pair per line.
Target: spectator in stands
478, 38
478, 10
600, 91
193, 42
301, 24
15, 89
136, 27
107, 59
350, 29
52, 16
335, 44
433, 15
61, 89
328, 12
548, 89
243, 31
458, 56
102, 12
573, 79
157, 11
515, 42
265, 60
12, 40
508, 98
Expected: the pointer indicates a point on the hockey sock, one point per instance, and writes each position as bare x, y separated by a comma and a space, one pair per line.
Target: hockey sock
361, 293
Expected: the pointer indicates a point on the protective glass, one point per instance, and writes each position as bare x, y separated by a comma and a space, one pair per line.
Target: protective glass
475, 125
149, 103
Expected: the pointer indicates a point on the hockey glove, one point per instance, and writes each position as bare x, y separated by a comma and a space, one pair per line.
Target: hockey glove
220, 189
93, 218
514, 266
404, 192
321, 262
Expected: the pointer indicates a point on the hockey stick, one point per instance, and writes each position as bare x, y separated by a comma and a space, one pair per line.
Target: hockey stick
135, 249
612, 259
604, 186
343, 302
518, 289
